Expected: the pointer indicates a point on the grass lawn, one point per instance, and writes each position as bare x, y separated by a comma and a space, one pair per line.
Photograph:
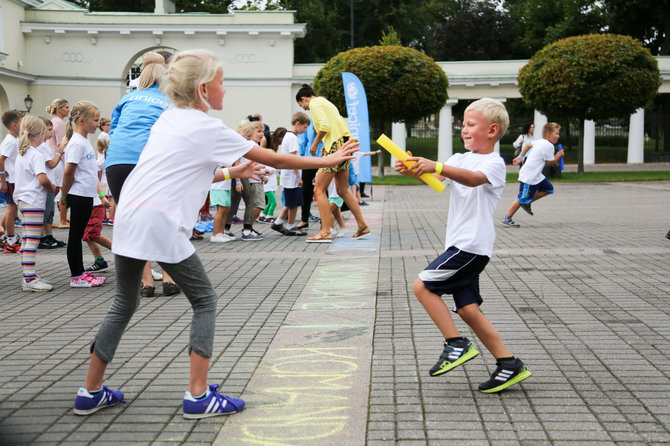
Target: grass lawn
566, 177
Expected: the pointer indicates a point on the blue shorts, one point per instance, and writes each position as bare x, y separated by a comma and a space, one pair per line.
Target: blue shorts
353, 178
219, 197
455, 272
527, 191
293, 197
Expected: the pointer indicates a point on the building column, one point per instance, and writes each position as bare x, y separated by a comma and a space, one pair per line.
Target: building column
398, 136
636, 137
589, 142
539, 120
445, 141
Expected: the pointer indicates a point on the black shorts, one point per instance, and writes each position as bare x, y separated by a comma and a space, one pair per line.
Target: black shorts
456, 272
116, 176
293, 197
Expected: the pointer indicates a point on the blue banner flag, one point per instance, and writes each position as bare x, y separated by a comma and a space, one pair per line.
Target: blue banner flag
359, 125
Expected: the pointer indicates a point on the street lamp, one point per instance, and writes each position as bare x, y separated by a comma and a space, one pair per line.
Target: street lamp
28, 103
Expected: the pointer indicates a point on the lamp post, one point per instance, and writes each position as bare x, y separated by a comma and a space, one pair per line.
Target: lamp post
28, 103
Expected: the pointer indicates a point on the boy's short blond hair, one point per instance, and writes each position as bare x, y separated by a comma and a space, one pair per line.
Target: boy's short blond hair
246, 128
494, 111
550, 127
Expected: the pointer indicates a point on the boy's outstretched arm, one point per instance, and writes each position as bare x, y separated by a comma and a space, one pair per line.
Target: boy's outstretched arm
463, 176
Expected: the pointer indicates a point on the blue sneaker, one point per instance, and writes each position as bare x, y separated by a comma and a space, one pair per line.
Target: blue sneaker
213, 405
86, 404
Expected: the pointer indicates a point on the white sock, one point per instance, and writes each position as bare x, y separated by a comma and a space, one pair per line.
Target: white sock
11, 239
278, 221
246, 232
290, 226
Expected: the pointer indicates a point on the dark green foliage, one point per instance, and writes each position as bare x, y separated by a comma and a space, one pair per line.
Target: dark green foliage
590, 77
401, 84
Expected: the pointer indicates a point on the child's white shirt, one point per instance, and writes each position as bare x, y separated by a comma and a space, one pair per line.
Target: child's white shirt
9, 148
220, 185
531, 171
80, 152
271, 185
288, 178
48, 155
27, 186
100, 161
161, 197
332, 190
470, 224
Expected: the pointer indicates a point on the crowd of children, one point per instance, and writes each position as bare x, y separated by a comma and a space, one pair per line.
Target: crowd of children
41, 163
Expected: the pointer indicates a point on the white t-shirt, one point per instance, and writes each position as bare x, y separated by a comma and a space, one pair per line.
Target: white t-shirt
27, 187
288, 178
271, 185
470, 223
531, 171
104, 135
80, 152
332, 190
161, 197
251, 180
220, 185
9, 148
48, 155
100, 161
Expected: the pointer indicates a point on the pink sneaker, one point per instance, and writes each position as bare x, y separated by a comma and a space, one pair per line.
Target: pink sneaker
93, 280
80, 282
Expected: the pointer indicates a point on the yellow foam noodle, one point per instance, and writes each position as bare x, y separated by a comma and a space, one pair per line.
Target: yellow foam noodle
399, 153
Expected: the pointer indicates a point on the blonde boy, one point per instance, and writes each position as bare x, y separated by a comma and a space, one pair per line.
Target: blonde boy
477, 180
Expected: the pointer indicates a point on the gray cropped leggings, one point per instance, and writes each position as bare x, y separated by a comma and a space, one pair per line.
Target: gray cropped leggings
189, 274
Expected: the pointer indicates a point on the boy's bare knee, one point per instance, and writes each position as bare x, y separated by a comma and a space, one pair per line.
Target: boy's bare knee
419, 288
469, 313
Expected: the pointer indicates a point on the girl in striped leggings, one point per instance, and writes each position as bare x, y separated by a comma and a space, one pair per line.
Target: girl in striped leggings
30, 194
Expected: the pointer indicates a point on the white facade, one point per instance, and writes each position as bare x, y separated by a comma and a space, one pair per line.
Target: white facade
53, 49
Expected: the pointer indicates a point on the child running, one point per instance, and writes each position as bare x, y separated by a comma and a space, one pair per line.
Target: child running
477, 181
532, 184
185, 147
30, 194
80, 183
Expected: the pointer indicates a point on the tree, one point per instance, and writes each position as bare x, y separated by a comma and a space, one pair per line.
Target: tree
401, 83
469, 30
539, 23
590, 77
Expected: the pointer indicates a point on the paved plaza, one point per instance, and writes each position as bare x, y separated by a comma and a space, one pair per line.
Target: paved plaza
328, 346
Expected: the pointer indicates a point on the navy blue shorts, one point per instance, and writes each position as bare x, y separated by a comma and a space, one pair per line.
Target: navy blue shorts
9, 194
527, 191
456, 272
293, 197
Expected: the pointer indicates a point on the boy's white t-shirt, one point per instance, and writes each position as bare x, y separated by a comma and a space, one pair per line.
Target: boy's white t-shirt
48, 155
470, 224
531, 171
220, 185
161, 197
80, 152
288, 178
27, 187
271, 185
9, 148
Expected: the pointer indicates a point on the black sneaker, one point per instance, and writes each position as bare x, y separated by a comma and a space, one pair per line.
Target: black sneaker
667, 235
454, 354
100, 266
526, 207
58, 243
507, 373
46, 243
279, 227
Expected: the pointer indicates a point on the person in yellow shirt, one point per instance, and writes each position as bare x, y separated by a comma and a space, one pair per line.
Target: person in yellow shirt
332, 129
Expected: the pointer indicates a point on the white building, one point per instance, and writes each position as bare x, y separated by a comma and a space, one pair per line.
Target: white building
54, 49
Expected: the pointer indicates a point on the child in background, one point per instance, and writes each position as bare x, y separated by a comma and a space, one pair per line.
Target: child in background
51, 161
93, 233
101, 147
219, 196
8, 152
477, 181
184, 148
59, 110
336, 203
32, 185
80, 183
270, 179
290, 179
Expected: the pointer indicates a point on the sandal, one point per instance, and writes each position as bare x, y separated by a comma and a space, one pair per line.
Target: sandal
170, 289
361, 233
147, 291
320, 238
196, 236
